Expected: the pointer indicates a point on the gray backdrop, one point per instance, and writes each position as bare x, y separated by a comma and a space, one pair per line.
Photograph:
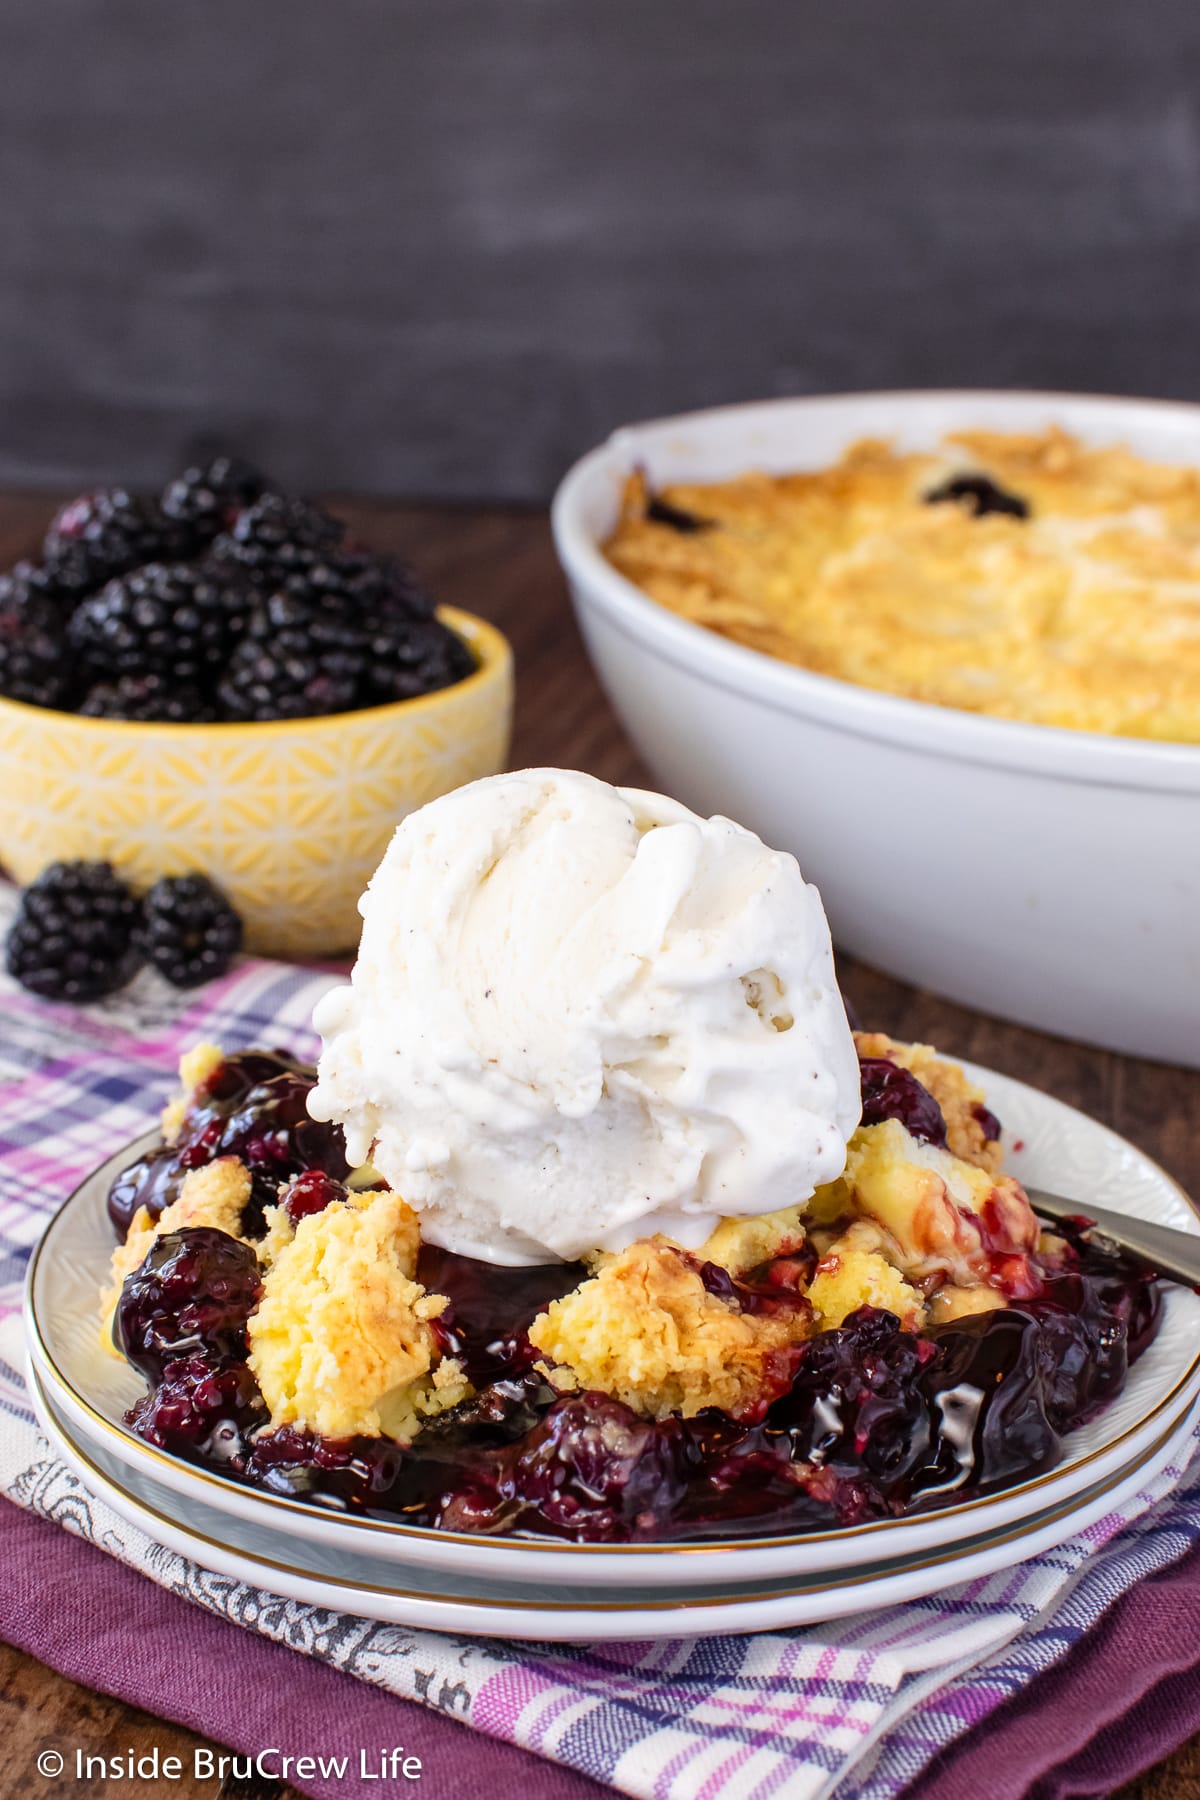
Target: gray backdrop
437, 247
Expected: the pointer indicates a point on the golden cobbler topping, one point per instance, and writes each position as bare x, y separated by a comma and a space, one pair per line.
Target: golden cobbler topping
340, 1341
1024, 576
195, 1067
937, 1216
646, 1330
741, 1244
854, 1272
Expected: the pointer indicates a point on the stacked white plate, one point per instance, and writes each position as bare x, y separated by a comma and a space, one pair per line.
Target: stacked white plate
527, 1588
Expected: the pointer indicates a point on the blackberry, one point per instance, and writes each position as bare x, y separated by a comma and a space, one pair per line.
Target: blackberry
420, 658
351, 631
362, 585
31, 585
202, 1407
405, 649
192, 1294
311, 1192
167, 619
36, 665
890, 1092
346, 1474
106, 533
190, 932
276, 537
663, 512
75, 936
981, 494
149, 700
208, 496
295, 662
154, 1180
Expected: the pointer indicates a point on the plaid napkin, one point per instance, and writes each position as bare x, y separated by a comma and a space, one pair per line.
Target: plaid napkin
860, 1706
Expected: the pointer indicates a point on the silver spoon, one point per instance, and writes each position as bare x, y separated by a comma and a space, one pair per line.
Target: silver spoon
1173, 1253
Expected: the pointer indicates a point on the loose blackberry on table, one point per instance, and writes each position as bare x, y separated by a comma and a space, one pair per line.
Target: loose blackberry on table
75, 936
80, 933
190, 932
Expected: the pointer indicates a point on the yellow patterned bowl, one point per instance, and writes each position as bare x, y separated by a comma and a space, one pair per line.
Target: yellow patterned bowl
289, 818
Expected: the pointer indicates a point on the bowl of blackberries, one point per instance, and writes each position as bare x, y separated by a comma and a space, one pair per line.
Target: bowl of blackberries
222, 680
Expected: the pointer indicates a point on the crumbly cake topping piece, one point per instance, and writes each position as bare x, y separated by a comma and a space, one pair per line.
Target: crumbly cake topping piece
341, 1336
943, 1217
853, 1272
739, 1245
646, 1330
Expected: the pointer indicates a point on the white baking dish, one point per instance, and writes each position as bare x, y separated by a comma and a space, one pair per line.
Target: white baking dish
1045, 875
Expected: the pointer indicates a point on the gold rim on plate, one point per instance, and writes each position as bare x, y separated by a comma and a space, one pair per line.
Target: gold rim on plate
934, 1559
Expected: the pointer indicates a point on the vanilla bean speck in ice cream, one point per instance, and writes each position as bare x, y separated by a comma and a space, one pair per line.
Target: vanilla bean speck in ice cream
582, 1014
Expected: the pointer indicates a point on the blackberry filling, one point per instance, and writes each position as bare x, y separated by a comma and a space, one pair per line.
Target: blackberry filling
877, 1422
191, 1297
311, 1193
253, 1105
590, 1470
347, 1474
988, 1123
491, 1309
774, 1289
890, 1092
982, 495
662, 512
204, 1409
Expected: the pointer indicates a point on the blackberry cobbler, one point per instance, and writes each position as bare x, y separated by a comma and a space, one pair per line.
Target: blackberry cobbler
907, 1337
1021, 575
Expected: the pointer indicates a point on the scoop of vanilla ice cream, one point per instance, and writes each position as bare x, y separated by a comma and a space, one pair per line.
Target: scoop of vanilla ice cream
582, 1014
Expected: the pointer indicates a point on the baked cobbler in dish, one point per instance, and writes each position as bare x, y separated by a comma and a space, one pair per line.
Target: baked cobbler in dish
1022, 576
907, 1336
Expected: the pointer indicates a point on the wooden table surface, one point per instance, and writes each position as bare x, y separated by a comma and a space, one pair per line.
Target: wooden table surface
501, 564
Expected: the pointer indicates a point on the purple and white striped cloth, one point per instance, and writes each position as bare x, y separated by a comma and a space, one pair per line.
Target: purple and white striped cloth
858, 1707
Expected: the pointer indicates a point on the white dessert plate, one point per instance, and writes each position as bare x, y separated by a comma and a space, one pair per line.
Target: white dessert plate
1053, 1146
353, 1580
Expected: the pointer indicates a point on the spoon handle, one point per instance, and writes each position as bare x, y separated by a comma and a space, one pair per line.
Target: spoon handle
1173, 1253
